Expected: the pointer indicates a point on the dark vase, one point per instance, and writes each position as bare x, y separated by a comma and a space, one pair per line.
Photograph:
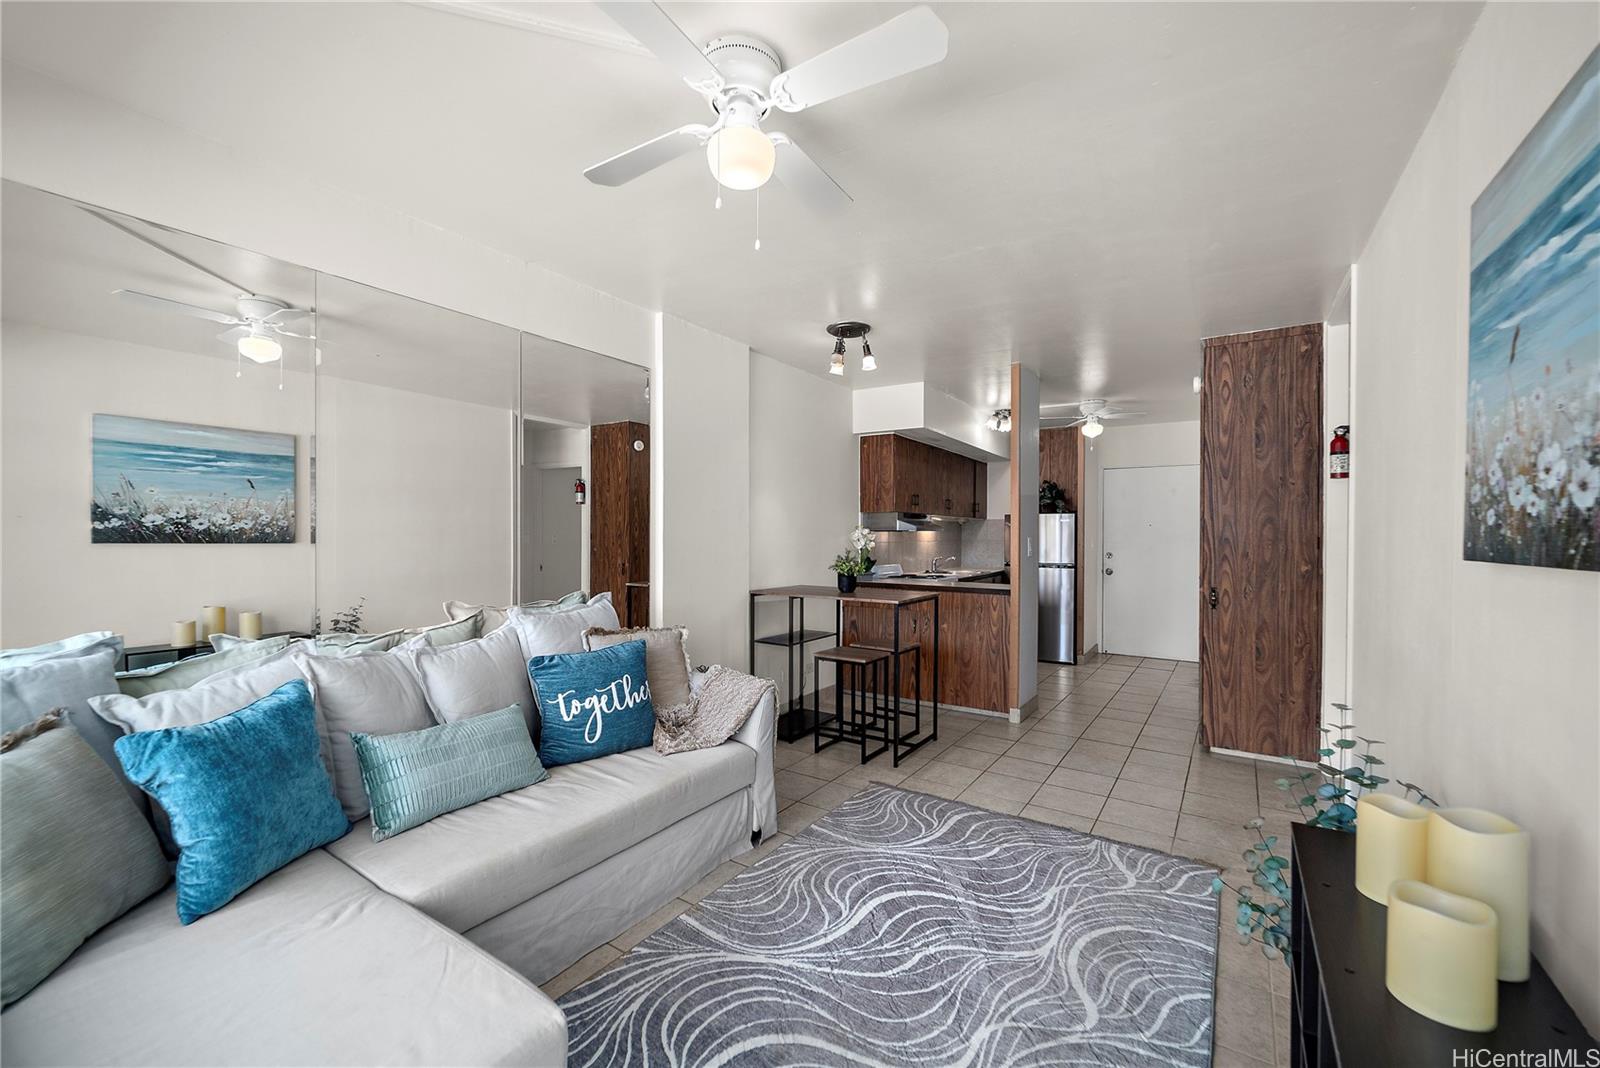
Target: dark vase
847, 584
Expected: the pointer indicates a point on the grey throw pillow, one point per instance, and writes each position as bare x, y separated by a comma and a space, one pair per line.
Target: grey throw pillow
666, 659
470, 678
74, 854
66, 674
183, 673
377, 694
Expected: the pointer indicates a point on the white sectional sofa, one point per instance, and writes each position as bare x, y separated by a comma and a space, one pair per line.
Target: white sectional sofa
421, 949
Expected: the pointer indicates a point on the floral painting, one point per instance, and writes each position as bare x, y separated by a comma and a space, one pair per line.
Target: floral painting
1533, 371
159, 482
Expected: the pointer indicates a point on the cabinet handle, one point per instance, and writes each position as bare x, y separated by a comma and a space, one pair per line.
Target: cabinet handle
916, 499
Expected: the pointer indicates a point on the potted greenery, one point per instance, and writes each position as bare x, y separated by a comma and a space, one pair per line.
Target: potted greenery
855, 562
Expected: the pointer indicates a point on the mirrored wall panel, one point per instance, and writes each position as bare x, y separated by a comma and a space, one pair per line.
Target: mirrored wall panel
190, 428
158, 412
585, 482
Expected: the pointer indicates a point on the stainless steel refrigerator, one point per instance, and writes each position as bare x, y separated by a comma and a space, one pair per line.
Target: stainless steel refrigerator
1058, 559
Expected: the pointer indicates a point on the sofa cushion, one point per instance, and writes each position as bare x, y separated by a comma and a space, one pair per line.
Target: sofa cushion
186, 672
492, 617
468, 866
473, 677
201, 701
75, 853
311, 966
548, 631
377, 694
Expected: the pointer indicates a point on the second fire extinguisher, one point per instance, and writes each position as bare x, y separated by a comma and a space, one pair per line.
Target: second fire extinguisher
579, 491
1339, 453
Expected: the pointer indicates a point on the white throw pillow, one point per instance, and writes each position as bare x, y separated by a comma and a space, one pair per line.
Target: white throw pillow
494, 617
545, 632
474, 677
208, 699
376, 694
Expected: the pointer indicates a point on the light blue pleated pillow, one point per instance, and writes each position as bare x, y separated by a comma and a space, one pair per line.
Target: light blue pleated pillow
416, 775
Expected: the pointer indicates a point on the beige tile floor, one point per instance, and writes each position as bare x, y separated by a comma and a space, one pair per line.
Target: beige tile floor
1113, 750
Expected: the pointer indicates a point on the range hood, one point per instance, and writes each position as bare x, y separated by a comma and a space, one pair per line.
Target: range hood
905, 521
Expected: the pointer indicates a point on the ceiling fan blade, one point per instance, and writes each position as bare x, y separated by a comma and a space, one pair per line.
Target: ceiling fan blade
1119, 415
281, 332
235, 334
909, 41
178, 306
810, 183
654, 29
286, 315
641, 159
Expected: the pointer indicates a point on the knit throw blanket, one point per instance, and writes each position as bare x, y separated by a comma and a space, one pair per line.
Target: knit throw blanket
713, 714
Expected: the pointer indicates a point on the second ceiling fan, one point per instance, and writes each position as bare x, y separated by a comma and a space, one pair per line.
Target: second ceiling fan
743, 79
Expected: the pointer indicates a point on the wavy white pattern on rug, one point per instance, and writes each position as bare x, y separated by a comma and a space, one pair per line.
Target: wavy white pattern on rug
904, 929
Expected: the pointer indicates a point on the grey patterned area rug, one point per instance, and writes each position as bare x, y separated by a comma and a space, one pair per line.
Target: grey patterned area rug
904, 929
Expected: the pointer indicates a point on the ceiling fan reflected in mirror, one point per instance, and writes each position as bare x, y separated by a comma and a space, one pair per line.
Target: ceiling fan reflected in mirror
1091, 415
743, 80
257, 323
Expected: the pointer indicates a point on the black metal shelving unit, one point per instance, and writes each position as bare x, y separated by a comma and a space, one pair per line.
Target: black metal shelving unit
796, 720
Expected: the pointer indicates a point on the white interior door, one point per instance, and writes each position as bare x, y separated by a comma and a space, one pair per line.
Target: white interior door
1150, 562
558, 537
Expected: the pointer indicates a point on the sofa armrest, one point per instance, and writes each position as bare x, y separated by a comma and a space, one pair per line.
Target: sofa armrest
759, 735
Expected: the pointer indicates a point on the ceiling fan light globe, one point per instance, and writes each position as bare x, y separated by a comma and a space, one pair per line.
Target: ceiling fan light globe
260, 348
741, 157
1093, 428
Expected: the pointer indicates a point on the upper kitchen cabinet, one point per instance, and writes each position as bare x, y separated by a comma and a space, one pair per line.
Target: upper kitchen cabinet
902, 475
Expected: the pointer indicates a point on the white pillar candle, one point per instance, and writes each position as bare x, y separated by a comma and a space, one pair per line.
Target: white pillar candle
1391, 844
1484, 856
1440, 955
183, 634
250, 626
215, 618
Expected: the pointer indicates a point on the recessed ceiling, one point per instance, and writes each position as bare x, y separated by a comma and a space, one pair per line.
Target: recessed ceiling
1087, 188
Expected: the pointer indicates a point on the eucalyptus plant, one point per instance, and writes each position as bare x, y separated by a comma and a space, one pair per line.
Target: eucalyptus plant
1326, 796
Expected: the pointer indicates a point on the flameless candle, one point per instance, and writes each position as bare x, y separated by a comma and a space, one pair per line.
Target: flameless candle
1484, 856
183, 634
1391, 844
215, 617
1440, 955
250, 626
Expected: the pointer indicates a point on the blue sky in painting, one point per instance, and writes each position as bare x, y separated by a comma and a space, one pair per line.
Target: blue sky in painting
180, 460
1536, 255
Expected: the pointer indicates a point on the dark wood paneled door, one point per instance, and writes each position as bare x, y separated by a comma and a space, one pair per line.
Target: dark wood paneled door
1261, 542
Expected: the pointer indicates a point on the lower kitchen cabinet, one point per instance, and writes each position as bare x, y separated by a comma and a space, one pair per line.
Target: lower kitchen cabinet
974, 645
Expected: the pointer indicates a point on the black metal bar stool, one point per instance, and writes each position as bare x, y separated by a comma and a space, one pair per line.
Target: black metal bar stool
863, 671
889, 709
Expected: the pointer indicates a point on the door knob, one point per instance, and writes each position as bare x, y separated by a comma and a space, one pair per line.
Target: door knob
1212, 597
1108, 571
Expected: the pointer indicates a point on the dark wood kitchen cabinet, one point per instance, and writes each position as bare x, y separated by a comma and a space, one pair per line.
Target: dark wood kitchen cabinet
973, 645
902, 475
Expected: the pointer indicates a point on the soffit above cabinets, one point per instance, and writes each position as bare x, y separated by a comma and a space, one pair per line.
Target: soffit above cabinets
917, 411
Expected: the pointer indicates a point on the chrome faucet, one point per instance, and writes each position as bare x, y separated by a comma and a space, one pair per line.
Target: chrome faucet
933, 568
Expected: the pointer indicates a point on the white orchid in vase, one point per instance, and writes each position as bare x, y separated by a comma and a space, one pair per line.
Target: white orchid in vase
858, 561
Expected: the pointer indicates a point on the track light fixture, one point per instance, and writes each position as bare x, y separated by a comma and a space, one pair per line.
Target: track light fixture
1000, 421
850, 329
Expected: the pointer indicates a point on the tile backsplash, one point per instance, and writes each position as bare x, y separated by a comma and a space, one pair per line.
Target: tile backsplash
983, 543
915, 550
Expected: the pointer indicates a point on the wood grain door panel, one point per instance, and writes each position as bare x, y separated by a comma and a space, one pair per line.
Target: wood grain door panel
1261, 542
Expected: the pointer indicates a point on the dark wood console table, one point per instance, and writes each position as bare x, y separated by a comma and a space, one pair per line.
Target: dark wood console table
1341, 1013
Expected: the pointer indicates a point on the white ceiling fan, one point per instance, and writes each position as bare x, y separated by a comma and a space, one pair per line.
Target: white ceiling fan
255, 321
743, 79
1091, 415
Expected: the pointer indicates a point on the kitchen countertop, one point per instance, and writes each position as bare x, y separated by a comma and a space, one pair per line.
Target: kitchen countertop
960, 581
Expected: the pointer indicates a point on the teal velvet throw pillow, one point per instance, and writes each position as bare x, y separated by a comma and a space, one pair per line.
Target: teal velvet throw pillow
246, 794
592, 704
414, 776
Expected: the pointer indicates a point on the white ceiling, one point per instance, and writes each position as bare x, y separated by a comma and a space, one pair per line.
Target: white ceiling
1088, 188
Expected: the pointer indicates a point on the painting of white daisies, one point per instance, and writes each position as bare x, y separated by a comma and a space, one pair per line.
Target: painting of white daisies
160, 482
1533, 371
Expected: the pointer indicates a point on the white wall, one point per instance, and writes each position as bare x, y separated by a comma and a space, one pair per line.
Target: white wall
805, 467
1025, 524
414, 503
700, 458
1482, 678
1335, 527
53, 582
1143, 445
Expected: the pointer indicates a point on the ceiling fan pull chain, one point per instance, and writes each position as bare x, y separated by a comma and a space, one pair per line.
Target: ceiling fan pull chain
718, 176
758, 218
238, 363
281, 362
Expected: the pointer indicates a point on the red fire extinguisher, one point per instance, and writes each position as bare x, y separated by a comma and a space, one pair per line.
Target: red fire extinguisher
579, 491
1339, 453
